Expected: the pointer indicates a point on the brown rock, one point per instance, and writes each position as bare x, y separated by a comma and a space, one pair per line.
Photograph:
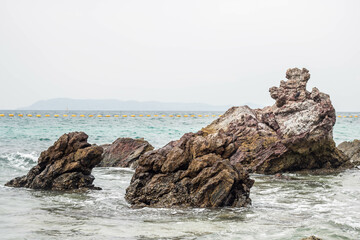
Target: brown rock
295, 134
124, 152
352, 150
66, 165
207, 181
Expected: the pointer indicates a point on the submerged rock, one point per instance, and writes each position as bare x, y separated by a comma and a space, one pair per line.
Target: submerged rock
311, 238
352, 150
280, 176
207, 168
66, 165
124, 152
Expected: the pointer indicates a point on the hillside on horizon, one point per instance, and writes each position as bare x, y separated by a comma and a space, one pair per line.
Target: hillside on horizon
113, 104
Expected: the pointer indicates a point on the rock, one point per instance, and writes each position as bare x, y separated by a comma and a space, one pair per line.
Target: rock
311, 238
66, 165
280, 176
295, 134
169, 177
352, 150
124, 152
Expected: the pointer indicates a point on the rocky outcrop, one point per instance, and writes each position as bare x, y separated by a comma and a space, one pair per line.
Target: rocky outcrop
171, 177
294, 134
66, 165
352, 150
124, 152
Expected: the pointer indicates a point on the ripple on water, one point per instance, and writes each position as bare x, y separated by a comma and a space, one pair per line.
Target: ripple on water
306, 210
326, 206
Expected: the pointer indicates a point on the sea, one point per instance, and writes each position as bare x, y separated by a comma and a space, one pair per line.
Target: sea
327, 206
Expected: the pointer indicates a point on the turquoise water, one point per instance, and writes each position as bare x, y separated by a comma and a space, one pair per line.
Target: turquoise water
326, 206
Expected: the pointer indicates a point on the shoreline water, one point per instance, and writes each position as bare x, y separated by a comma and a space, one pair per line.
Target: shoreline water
312, 205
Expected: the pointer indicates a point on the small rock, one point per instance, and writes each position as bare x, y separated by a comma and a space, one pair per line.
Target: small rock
66, 165
282, 177
311, 238
352, 150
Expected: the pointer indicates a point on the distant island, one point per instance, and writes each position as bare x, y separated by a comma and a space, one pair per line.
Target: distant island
113, 104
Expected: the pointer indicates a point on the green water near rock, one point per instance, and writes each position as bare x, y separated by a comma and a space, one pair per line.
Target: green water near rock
325, 206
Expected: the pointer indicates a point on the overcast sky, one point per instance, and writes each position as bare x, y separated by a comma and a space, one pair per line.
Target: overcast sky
216, 52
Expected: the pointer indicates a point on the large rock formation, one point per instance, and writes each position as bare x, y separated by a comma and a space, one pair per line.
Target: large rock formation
66, 165
172, 176
124, 152
294, 134
205, 169
352, 150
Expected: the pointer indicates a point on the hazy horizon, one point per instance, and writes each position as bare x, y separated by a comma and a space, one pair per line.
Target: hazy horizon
69, 104
212, 52
113, 104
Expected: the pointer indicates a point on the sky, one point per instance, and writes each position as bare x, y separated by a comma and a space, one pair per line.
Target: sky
226, 52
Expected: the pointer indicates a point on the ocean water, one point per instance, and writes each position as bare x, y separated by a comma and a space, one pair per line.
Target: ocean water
326, 206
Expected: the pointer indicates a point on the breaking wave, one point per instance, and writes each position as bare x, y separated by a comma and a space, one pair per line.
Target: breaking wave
18, 160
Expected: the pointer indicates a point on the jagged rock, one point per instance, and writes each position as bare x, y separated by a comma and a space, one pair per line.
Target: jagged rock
295, 134
352, 150
292, 135
66, 165
171, 177
124, 152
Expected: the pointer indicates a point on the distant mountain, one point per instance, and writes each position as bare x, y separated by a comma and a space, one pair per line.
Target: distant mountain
112, 104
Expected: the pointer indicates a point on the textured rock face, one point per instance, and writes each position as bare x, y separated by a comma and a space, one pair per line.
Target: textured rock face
352, 150
295, 134
292, 135
66, 165
171, 176
124, 152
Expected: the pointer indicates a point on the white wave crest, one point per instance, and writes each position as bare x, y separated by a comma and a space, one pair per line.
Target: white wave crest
18, 160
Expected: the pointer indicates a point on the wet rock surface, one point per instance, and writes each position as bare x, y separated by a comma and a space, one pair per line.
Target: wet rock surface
66, 165
124, 152
208, 168
352, 150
